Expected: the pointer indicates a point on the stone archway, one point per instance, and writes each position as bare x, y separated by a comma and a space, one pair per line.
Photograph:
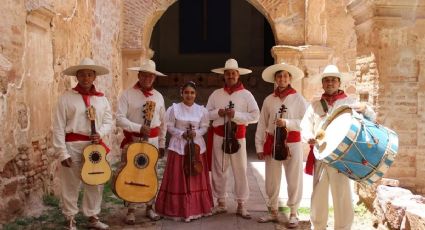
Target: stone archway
136, 47
139, 19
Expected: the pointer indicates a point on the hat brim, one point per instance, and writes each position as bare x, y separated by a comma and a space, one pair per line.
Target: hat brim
72, 71
344, 77
242, 71
269, 72
139, 69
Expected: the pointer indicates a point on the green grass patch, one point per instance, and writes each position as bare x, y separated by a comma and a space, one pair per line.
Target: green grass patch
361, 210
109, 196
301, 210
50, 200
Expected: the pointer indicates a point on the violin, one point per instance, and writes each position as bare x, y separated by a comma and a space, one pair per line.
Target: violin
230, 143
280, 147
192, 164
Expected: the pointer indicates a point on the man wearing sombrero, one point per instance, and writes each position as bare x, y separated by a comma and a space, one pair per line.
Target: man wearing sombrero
244, 112
72, 133
325, 176
282, 75
130, 118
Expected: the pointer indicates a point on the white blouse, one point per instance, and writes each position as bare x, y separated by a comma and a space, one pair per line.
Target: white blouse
179, 117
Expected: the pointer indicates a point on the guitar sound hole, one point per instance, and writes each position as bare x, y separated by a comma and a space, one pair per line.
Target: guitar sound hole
95, 157
141, 160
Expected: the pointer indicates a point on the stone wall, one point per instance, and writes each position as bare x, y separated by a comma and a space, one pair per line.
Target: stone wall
40, 39
390, 43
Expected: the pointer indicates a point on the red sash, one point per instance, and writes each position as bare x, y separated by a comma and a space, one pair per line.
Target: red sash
309, 166
293, 137
240, 131
128, 136
219, 130
70, 137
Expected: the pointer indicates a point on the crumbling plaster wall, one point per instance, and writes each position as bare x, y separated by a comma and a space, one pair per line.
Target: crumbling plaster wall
39, 39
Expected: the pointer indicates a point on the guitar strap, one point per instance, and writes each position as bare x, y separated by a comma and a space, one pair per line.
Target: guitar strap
324, 105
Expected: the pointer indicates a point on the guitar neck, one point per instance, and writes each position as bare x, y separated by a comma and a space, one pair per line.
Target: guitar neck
93, 127
146, 123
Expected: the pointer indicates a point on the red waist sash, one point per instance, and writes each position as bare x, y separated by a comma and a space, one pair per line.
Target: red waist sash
128, 136
240, 131
70, 137
309, 166
293, 137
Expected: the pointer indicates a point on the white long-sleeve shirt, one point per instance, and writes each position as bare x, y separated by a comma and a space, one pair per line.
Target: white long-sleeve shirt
130, 112
179, 116
315, 116
71, 117
296, 107
246, 108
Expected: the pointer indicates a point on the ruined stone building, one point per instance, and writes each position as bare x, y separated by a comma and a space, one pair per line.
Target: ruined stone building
382, 42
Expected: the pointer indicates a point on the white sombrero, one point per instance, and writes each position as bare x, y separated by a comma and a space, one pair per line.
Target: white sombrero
231, 64
269, 72
333, 71
86, 63
148, 66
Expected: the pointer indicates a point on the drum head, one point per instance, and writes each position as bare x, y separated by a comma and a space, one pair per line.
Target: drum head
335, 128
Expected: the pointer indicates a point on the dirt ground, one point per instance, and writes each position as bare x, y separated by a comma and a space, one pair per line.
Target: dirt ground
113, 213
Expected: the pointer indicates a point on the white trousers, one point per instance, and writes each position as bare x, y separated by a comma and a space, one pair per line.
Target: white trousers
294, 178
70, 185
238, 162
323, 177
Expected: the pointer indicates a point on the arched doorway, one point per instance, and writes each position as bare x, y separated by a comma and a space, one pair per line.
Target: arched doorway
192, 37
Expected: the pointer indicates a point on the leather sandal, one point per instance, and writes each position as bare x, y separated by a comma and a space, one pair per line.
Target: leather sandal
293, 221
130, 219
242, 212
95, 223
151, 214
219, 209
268, 218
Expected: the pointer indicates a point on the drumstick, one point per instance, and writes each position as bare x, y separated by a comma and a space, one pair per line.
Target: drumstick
320, 134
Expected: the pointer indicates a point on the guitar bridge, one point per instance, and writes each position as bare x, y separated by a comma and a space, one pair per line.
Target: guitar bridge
96, 172
136, 184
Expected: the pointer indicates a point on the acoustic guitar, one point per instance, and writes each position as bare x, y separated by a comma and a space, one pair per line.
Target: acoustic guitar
96, 169
136, 181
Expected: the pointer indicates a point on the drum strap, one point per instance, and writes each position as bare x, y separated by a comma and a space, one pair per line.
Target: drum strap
324, 105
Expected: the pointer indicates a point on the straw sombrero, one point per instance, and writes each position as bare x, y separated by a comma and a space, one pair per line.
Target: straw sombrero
232, 64
86, 63
333, 71
149, 66
269, 72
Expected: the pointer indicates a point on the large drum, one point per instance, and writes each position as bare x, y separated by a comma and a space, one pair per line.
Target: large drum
355, 146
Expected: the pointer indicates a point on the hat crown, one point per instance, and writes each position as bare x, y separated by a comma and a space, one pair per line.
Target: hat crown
87, 61
231, 64
330, 69
149, 65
